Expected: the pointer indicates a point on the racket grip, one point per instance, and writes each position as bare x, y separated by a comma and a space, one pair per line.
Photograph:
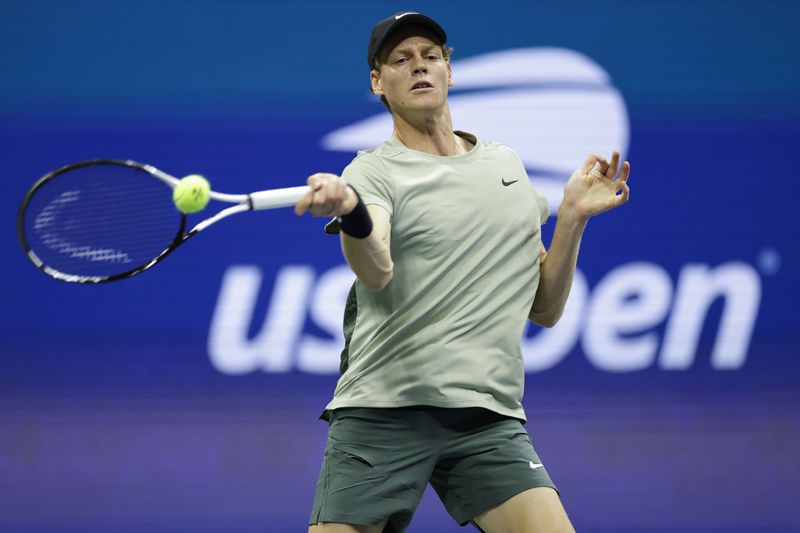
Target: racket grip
277, 197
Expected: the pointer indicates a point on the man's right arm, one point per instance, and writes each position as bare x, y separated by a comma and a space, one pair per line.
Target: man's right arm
369, 257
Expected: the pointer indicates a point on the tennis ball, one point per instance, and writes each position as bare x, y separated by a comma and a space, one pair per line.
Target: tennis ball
191, 194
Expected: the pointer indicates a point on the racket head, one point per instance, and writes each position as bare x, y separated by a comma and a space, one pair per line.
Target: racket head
99, 220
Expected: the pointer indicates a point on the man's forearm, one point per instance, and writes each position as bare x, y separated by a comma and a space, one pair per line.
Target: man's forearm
557, 270
370, 258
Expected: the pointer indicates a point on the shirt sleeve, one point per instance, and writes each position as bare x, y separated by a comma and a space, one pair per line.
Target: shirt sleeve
542, 204
368, 176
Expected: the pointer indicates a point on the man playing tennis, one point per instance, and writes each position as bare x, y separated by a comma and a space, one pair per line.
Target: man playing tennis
442, 230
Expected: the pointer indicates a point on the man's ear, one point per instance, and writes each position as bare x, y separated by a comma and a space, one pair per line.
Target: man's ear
375, 81
450, 81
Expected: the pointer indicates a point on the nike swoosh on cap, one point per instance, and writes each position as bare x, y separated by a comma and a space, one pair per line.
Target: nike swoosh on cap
401, 15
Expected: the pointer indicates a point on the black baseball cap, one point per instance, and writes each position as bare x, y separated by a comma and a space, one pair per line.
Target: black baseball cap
384, 28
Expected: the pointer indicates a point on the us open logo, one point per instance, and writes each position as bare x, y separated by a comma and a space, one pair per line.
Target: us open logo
551, 105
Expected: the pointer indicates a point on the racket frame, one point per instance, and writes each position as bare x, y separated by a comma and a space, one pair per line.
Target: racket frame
243, 202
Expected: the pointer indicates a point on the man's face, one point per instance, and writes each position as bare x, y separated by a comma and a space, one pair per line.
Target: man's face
414, 74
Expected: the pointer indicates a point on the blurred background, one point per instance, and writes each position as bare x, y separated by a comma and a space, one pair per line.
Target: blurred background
187, 398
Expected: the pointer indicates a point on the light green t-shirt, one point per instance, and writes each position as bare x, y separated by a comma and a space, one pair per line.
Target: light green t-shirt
445, 331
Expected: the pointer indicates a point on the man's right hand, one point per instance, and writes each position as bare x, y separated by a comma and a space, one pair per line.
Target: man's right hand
329, 196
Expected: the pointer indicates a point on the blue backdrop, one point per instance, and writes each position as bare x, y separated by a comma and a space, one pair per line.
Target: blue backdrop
186, 399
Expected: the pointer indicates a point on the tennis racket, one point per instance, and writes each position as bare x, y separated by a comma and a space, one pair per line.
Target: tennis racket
106, 219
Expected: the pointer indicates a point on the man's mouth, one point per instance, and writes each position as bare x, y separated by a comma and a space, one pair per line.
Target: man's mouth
422, 85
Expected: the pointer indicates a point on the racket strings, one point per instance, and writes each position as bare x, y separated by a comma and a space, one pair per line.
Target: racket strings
101, 220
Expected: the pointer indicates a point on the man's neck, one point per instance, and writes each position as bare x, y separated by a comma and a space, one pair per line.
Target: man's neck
432, 134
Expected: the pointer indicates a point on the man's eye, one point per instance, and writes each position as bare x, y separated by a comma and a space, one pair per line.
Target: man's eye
400, 60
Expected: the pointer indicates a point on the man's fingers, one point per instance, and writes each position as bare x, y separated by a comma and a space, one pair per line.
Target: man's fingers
315, 182
334, 198
326, 197
623, 176
599, 164
614, 166
341, 194
600, 171
602, 165
338, 196
622, 198
321, 202
302, 205
599, 168
626, 171
622, 183
588, 165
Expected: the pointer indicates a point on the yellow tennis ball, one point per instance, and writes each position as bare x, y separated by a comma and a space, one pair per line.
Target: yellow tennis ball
191, 194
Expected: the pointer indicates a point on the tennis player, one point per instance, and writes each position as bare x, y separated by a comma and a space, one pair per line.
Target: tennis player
442, 230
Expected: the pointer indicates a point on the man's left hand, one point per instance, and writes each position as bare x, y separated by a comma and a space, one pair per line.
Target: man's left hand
595, 187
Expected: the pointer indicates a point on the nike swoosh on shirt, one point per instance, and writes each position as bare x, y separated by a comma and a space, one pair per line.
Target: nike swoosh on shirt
534, 466
507, 183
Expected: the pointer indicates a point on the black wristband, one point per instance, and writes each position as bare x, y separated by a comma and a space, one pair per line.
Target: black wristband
357, 223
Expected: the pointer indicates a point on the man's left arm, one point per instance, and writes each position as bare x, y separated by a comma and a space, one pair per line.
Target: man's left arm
592, 189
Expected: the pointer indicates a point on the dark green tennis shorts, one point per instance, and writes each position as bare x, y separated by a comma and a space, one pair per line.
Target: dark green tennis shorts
378, 461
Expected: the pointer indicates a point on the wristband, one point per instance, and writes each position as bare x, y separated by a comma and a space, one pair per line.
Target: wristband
357, 223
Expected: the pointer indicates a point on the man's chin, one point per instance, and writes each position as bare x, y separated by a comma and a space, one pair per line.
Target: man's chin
423, 104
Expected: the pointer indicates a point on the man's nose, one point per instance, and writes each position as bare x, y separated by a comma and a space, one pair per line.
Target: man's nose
419, 65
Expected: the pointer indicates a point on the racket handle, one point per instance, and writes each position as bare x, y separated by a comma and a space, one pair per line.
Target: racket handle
277, 197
